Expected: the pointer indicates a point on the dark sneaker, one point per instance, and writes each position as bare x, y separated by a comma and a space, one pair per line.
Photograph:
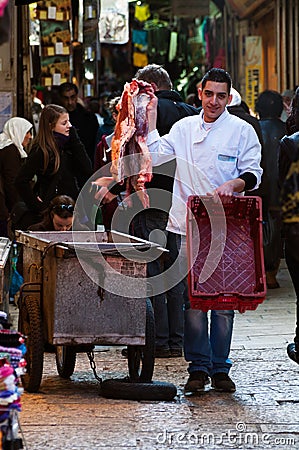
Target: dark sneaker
197, 381
176, 352
222, 382
292, 352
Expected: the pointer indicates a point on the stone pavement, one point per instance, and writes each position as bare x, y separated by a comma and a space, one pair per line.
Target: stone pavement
261, 414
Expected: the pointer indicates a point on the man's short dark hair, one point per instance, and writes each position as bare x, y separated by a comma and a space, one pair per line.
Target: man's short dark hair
219, 76
67, 86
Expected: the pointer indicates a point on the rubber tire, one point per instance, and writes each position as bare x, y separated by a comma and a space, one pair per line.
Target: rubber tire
126, 390
30, 325
141, 359
65, 360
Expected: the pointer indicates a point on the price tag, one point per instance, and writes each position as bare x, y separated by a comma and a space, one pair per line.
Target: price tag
59, 48
52, 12
56, 79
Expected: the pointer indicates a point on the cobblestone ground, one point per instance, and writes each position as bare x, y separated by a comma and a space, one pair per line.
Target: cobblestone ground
262, 414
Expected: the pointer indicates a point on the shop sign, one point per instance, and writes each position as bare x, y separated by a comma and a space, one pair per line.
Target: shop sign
190, 8
253, 69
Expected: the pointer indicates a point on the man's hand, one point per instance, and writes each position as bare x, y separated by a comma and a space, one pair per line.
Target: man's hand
151, 111
103, 181
227, 190
114, 170
103, 193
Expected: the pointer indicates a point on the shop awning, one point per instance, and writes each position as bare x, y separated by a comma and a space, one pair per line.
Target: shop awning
191, 8
245, 9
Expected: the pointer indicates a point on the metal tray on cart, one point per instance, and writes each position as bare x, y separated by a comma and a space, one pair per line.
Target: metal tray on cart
225, 253
80, 291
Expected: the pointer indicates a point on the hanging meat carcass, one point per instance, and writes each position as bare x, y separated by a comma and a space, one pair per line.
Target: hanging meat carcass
131, 160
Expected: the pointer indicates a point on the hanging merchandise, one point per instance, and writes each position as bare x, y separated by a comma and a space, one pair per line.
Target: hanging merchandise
16, 279
158, 40
4, 22
59, 10
34, 27
114, 22
173, 46
140, 59
54, 18
12, 367
55, 70
142, 12
90, 46
139, 40
3, 5
55, 38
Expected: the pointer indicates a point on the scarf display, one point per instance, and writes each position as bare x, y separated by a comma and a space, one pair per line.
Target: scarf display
12, 367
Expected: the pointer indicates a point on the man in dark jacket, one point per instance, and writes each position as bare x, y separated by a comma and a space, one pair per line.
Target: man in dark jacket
269, 106
288, 181
151, 223
84, 121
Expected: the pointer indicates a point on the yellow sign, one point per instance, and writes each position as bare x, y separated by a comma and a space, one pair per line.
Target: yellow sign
253, 69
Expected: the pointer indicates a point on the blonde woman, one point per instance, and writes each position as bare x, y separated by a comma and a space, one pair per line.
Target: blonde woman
57, 160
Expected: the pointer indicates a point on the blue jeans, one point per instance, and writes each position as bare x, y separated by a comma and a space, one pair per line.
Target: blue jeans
206, 345
208, 350
169, 303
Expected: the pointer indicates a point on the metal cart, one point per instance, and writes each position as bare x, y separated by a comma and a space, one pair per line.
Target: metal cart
79, 292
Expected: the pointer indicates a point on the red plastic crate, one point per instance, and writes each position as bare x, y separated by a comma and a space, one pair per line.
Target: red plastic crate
225, 253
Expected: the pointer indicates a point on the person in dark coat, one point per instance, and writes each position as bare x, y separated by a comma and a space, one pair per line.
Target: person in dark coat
14, 139
151, 223
289, 199
85, 122
269, 106
57, 159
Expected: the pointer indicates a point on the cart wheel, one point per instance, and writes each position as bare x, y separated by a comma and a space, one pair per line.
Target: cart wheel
141, 358
30, 324
124, 389
65, 360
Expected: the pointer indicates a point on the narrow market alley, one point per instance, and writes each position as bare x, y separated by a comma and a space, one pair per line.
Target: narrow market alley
262, 413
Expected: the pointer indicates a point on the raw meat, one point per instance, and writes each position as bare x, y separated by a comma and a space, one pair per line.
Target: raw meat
130, 154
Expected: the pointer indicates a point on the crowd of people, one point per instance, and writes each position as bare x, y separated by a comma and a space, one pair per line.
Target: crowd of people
218, 149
